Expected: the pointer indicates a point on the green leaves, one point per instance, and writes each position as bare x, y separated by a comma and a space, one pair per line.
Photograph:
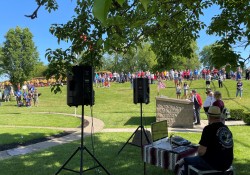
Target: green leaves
101, 8
121, 2
19, 55
145, 3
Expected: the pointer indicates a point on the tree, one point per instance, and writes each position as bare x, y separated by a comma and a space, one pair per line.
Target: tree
1, 63
146, 57
206, 56
115, 26
218, 55
40, 69
135, 59
232, 25
19, 55
101, 26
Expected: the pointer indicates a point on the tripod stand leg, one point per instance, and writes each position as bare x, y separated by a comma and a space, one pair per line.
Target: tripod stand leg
99, 163
146, 135
128, 140
68, 160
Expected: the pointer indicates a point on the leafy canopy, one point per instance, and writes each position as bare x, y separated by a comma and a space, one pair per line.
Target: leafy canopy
115, 26
218, 55
112, 26
19, 55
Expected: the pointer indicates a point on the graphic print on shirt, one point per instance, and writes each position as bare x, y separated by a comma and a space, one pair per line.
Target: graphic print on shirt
225, 137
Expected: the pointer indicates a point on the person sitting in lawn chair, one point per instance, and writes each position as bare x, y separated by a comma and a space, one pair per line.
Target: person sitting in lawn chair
215, 151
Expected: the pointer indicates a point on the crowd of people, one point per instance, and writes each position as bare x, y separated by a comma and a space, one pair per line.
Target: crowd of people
24, 96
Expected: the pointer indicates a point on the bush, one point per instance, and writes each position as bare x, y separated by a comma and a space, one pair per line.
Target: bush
237, 114
246, 118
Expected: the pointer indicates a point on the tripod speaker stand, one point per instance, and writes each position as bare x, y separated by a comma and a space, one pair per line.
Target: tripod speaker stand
141, 95
141, 127
81, 81
82, 148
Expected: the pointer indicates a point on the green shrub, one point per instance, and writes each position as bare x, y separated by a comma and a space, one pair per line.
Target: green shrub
236, 114
246, 118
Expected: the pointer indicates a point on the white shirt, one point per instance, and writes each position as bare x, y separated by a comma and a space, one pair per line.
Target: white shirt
209, 101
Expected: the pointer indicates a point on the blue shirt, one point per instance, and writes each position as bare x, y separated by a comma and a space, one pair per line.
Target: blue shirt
18, 93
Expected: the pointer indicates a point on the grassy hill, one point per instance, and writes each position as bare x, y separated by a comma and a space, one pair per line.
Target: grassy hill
115, 107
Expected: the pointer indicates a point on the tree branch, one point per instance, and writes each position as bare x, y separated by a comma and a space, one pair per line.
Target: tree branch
34, 14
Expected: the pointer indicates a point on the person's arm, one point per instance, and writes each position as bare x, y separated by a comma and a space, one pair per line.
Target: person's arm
202, 150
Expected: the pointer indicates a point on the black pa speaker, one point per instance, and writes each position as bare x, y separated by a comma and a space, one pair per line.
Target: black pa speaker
80, 86
141, 90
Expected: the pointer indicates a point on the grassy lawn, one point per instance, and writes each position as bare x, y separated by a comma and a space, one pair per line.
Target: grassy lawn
38, 119
19, 125
114, 106
106, 147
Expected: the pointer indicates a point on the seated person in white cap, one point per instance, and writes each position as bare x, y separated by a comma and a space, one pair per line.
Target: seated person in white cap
215, 151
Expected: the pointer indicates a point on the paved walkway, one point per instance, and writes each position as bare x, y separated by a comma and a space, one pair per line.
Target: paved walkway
93, 127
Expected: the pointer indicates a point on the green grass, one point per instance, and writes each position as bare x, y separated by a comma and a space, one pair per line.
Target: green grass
114, 106
107, 146
38, 119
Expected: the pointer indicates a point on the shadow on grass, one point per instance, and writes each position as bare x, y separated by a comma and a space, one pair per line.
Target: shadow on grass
136, 120
17, 140
225, 87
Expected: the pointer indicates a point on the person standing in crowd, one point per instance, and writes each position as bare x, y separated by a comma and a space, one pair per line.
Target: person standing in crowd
152, 76
28, 100
218, 100
185, 88
220, 79
178, 91
239, 88
208, 80
18, 96
247, 74
160, 85
219, 103
35, 97
238, 74
6, 94
25, 95
195, 74
196, 98
215, 151
176, 78
209, 101
180, 78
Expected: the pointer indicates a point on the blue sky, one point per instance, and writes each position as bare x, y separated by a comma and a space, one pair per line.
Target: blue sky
12, 14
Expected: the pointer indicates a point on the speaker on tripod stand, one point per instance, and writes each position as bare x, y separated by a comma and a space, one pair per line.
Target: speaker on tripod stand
141, 95
80, 92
